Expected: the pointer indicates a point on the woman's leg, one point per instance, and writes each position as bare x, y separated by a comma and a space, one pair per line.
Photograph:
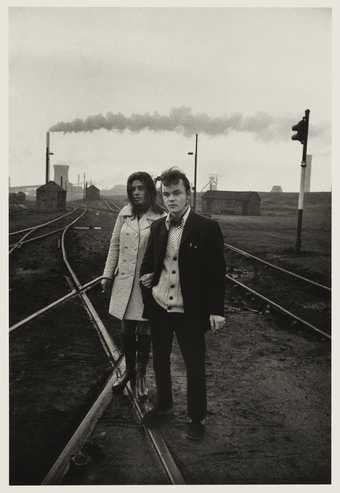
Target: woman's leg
143, 355
129, 346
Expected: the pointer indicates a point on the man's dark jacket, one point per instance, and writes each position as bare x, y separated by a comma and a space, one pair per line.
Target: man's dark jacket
201, 267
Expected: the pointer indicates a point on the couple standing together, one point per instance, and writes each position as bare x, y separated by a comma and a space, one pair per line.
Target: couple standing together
165, 273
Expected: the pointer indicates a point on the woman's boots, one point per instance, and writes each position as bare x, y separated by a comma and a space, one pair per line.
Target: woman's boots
137, 352
129, 349
143, 352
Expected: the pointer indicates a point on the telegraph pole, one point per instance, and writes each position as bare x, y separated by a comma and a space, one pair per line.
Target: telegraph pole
195, 172
84, 196
302, 136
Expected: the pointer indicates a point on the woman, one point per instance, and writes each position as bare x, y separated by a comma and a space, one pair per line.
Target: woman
121, 273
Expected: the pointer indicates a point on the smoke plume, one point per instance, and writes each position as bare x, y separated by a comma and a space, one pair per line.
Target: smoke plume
182, 120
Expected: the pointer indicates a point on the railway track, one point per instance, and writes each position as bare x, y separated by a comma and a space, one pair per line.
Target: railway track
36, 275
32, 230
308, 284
111, 205
77, 440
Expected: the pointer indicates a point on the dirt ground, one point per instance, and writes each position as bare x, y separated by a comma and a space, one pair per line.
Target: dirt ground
269, 407
268, 414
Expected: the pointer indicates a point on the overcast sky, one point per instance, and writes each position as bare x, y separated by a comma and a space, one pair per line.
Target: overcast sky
240, 77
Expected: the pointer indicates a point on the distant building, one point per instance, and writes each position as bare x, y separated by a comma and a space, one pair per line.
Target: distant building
224, 202
92, 193
277, 189
50, 197
17, 197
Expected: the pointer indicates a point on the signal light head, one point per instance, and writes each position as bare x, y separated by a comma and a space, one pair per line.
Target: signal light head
301, 131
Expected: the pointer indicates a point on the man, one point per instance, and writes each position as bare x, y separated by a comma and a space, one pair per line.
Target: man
182, 276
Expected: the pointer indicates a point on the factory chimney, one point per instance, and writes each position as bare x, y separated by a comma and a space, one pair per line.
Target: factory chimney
48, 154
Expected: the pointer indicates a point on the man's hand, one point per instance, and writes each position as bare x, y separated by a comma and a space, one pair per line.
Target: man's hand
146, 280
216, 322
106, 286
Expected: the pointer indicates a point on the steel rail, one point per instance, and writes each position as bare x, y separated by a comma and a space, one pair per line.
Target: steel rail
107, 210
42, 224
104, 336
38, 237
58, 469
163, 453
89, 285
276, 267
277, 306
107, 203
19, 243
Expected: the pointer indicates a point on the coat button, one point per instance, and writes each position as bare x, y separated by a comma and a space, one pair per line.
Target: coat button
173, 272
175, 258
171, 297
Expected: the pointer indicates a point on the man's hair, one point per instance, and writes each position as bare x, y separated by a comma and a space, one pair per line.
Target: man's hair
150, 190
172, 176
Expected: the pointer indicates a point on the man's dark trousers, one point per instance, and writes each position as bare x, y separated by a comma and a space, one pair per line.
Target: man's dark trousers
191, 341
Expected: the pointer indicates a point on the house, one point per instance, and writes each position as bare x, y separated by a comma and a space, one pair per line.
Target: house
92, 193
50, 197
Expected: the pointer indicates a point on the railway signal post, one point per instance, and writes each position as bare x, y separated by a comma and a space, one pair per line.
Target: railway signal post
301, 135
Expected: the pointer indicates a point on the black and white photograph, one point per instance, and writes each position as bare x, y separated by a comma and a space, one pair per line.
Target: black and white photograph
169, 194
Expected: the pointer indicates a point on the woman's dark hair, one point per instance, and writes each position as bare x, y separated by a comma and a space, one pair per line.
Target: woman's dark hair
172, 176
150, 191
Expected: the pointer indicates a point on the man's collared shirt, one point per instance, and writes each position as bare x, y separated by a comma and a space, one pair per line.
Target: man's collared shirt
167, 293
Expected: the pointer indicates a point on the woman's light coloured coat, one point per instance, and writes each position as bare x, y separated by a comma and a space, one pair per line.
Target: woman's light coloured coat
127, 247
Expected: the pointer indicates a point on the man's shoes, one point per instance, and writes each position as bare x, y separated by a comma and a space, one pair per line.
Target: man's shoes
155, 414
195, 431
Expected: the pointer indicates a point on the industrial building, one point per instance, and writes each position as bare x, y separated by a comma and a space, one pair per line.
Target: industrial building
225, 202
17, 197
92, 193
50, 197
277, 189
